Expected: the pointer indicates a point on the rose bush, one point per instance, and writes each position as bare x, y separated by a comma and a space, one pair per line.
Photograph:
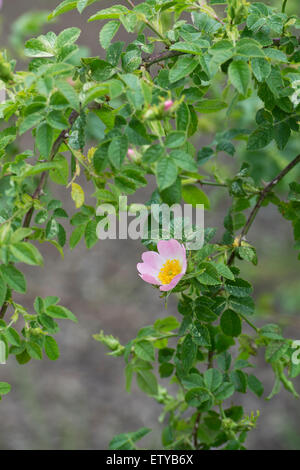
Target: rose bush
184, 62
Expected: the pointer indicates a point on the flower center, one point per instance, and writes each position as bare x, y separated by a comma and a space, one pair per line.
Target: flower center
169, 270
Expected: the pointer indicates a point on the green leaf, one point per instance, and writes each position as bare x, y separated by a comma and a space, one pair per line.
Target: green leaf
224, 391
38, 47
183, 68
90, 235
193, 195
3, 290
57, 311
57, 120
76, 236
239, 75
67, 36
210, 277
189, 47
126, 441
255, 385
26, 253
210, 106
231, 323
183, 160
261, 137
197, 396
224, 271
167, 324
145, 350
271, 331
188, 353
238, 288
69, 93
239, 380
30, 121
166, 173
261, 68
60, 174
34, 350
153, 153
147, 382
14, 278
113, 12
4, 388
213, 379
276, 350
51, 348
108, 32
63, 7
117, 150
175, 139
100, 158
44, 139
200, 335
182, 117
243, 305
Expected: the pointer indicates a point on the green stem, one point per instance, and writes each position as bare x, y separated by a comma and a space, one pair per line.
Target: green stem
249, 322
283, 6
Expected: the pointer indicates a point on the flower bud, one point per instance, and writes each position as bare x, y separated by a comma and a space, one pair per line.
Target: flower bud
130, 153
168, 104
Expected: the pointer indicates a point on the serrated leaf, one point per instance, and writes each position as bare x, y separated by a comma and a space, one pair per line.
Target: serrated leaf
182, 68
26, 253
77, 194
166, 173
108, 32
145, 350
193, 195
239, 75
51, 348
231, 323
44, 139
14, 278
126, 441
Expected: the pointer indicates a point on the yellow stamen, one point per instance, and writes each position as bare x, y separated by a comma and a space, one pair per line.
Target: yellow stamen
169, 270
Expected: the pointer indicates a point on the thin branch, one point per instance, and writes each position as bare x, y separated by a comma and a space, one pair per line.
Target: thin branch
263, 194
3, 309
195, 429
55, 147
163, 56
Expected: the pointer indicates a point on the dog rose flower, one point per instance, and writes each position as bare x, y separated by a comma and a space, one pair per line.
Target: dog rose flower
166, 267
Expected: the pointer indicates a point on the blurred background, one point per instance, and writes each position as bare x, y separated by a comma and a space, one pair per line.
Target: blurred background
79, 402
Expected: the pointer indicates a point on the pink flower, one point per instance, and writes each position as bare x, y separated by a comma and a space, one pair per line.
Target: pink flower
166, 267
168, 104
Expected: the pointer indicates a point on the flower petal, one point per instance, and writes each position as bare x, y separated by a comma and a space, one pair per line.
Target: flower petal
150, 279
153, 259
145, 268
170, 249
172, 284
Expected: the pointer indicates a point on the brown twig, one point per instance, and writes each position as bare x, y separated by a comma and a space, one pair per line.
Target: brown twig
3, 309
165, 55
263, 194
55, 147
